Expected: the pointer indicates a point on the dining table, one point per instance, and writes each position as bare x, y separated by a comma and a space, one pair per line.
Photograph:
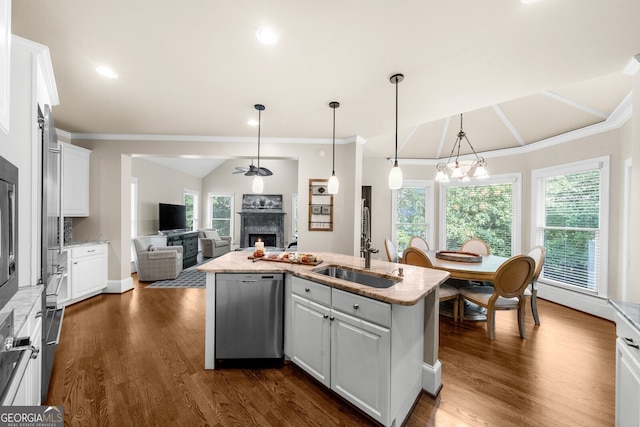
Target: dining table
464, 271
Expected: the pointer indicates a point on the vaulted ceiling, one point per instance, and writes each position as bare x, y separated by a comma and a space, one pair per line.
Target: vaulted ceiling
520, 73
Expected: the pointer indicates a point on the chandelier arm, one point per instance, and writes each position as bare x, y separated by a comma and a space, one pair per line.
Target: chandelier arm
474, 151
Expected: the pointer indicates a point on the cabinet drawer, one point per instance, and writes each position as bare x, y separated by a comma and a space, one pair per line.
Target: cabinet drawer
312, 291
89, 250
364, 308
629, 334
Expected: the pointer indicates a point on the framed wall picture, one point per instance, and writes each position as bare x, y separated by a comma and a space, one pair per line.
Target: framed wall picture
320, 206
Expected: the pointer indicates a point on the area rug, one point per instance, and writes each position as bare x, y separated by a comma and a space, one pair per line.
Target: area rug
189, 278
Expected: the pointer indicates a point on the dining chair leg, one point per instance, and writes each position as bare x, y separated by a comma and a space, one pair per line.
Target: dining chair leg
534, 306
456, 303
491, 323
521, 313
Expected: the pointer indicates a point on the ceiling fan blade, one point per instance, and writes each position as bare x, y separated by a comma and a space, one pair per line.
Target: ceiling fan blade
241, 169
265, 172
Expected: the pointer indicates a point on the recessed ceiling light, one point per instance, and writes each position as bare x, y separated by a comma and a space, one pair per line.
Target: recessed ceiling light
107, 72
267, 35
252, 122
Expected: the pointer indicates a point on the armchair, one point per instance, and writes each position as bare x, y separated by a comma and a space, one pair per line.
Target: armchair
156, 262
212, 244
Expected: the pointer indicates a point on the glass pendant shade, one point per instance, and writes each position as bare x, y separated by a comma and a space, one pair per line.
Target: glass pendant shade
334, 185
395, 178
257, 186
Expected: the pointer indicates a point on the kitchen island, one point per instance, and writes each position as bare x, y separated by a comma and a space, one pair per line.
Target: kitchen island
376, 347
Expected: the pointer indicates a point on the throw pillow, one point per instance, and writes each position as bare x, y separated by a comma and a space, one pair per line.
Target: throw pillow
211, 234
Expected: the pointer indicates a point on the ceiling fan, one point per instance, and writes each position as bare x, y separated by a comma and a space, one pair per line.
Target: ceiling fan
255, 170
252, 170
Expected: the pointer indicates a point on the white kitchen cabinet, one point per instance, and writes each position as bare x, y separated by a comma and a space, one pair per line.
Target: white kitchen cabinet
75, 180
367, 351
311, 338
627, 374
28, 393
88, 270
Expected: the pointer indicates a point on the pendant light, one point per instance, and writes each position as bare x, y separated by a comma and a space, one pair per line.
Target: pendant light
257, 186
395, 176
334, 185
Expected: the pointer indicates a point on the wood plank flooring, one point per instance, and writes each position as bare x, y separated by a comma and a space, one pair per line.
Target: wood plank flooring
137, 359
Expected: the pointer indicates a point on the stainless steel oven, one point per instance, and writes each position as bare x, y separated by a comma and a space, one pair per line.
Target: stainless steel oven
8, 231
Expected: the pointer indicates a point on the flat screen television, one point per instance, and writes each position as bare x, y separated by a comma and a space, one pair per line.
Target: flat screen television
172, 217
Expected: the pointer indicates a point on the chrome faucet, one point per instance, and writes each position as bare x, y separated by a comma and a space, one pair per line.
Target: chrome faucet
368, 250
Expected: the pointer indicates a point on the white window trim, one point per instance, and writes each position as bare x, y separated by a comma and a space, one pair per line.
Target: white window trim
294, 215
516, 222
233, 211
196, 207
429, 210
601, 163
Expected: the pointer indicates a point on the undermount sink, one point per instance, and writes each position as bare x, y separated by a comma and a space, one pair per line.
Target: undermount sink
359, 277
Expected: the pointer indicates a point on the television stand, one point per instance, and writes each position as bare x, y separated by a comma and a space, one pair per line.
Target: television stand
189, 242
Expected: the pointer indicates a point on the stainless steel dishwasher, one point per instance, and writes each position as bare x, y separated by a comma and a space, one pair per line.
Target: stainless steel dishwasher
249, 316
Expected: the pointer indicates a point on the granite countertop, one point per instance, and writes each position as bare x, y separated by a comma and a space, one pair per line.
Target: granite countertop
416, 283
75, 243
628, 310
22, 303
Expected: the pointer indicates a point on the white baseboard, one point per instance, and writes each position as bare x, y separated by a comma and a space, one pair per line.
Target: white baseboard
432, 378
118, 286
593, 305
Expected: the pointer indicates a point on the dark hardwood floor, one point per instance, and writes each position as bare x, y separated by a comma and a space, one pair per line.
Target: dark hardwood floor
137, 359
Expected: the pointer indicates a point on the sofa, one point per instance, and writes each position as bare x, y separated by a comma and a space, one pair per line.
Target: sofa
156, 262
213, 245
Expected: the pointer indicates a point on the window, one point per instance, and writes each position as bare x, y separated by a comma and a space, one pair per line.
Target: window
412, 212
487, 209
190, 198
570, 208
221, 210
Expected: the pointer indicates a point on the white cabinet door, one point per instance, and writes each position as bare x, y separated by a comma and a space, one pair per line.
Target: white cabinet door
361, 364
627, 385
75, 181
311, 336
89, 270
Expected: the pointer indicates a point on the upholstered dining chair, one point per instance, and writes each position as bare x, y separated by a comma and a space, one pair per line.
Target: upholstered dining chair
415, 256
477, 246
420, 243
538, 254
507, 292
391, 250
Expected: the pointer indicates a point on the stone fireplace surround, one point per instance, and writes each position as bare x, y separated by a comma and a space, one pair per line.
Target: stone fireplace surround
261, 224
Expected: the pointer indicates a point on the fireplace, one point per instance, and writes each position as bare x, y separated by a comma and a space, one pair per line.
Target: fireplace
268, 239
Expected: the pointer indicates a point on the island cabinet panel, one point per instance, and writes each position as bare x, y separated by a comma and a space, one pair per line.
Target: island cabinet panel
311, 338
367, 351
360, 364
627, 374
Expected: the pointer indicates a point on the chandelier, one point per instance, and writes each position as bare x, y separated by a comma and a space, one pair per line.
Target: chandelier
462, 170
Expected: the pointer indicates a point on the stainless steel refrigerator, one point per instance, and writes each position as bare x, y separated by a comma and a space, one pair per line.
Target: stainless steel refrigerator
51, 265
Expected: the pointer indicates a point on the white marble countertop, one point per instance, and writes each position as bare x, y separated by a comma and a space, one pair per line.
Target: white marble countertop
75, 243
414, 286
22, 303
628, 310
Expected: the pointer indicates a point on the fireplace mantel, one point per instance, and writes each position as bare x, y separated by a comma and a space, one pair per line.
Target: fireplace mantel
256, 222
